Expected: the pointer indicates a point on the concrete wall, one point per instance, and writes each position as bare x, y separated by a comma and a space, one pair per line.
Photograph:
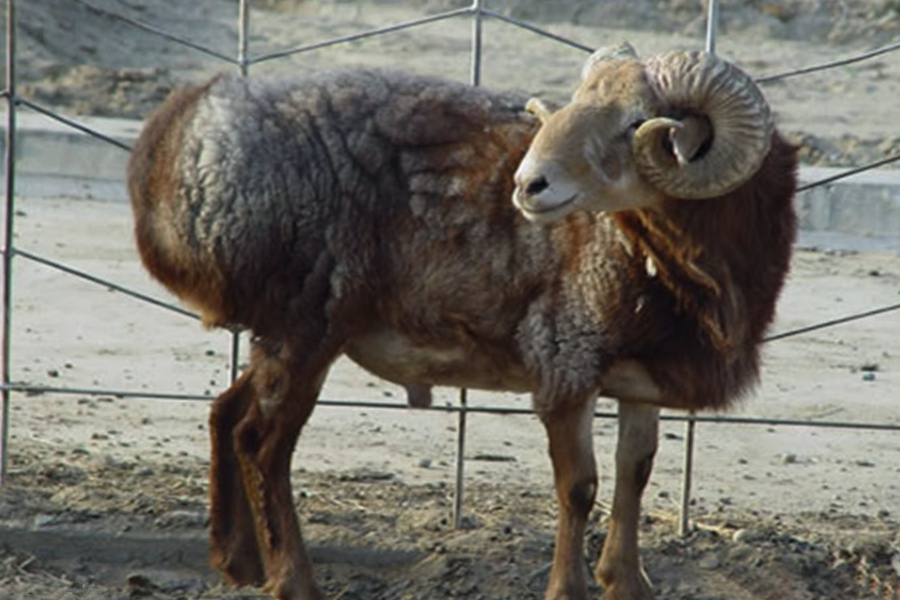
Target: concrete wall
55, 159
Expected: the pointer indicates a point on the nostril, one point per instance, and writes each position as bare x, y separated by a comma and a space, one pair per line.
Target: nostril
536, 186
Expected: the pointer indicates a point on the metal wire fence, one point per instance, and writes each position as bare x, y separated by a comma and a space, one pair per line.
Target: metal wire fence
477, 12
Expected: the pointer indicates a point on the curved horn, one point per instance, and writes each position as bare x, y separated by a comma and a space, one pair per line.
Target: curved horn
623, 51
696, 84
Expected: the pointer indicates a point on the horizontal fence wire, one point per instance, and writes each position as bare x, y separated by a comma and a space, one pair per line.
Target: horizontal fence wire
542, 32
36, 390
157, 31
361, 36
830, 65
831, 323
103, 282
849, 173
740, 420
50, 114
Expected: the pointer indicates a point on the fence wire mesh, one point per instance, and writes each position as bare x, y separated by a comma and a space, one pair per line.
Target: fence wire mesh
243, 60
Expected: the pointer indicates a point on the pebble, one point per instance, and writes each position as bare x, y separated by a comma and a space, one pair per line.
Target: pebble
745, 536
789, 459
425, 463
709, 562
44, 521
181, 518
742, 553
868, 376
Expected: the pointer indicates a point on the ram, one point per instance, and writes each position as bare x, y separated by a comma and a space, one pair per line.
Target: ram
631, 244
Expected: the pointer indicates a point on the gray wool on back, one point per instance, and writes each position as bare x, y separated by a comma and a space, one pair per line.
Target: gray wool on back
280, 164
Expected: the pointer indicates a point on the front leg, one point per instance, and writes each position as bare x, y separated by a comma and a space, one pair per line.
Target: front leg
575, 474
620, 568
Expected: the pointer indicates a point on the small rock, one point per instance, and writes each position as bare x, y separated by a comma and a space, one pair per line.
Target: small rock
745, 536
45, 521
425, 463
140, 585
864, 463
868, 376
742, 553
710, 562
789, 459
181, 519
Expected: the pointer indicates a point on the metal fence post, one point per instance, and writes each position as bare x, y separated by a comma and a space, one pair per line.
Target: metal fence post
477, 15
463, 393
684, 517
712, 24
243, 36
460, 459
8, 231
243, 60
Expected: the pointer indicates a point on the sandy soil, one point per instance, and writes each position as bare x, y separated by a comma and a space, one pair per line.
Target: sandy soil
107, 495
94, 474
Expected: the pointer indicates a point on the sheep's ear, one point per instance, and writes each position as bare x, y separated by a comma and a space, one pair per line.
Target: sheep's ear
538, 108
623, 51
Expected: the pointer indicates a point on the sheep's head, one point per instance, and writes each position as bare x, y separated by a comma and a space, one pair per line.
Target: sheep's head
679, 125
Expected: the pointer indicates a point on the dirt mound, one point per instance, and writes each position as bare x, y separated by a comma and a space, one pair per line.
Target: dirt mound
75, 526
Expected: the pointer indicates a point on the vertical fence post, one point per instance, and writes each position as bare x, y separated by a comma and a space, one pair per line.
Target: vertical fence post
243, 36
463, 393
8, 231
235, 355
687, 468
477, 6
684, 518
460, 459
712, 23
244, 65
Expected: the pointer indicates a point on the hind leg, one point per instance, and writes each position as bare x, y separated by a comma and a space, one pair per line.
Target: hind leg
233, 546
286, 379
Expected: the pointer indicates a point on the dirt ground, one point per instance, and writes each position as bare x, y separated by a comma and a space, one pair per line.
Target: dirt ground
107, 496
74, 527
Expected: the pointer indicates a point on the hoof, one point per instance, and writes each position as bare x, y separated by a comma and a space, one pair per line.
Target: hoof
637, 588
293, 589
240, 571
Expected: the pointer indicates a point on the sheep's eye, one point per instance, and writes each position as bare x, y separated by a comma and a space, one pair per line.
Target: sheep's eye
635, 124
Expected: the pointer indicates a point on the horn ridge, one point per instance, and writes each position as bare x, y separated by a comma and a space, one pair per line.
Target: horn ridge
696, 82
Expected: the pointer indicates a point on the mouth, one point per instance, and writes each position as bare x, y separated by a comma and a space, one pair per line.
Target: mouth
546, 214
